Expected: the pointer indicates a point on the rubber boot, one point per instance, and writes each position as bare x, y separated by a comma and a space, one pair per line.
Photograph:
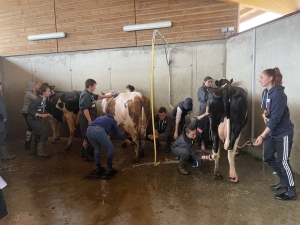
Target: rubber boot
40, 149
181, 168
88, 154
27, 140
100, 169
33, 148
110, 170
5, 154
168, 147
290, 194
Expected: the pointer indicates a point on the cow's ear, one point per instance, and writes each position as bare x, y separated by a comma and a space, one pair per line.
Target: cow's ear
230, 82
217, 83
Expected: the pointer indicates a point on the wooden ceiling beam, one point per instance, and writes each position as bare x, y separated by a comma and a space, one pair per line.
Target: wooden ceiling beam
276, 6
250, 16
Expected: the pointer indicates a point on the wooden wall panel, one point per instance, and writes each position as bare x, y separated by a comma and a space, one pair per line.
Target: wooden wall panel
18, 19
192, 20
98, 24
94, 24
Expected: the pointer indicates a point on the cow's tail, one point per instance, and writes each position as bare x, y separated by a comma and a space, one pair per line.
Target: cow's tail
145, 115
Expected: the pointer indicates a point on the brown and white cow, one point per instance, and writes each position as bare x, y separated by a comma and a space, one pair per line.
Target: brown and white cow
228, 114
131, 110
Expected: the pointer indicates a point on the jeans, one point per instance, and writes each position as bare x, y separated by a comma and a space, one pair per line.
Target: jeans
98, 137
280, 163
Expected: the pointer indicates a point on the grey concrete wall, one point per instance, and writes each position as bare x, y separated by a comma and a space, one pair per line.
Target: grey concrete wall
277, 45
113, 70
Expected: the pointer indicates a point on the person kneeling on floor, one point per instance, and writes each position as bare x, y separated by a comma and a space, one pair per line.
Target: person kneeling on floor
163, 129
183, 149
97, 134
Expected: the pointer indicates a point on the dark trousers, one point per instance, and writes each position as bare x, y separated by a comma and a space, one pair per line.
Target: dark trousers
180, 124
39, 131
29, 128
282, 147
3, 210
83, 128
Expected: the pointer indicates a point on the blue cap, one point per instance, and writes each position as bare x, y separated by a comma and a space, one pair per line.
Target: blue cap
188, 103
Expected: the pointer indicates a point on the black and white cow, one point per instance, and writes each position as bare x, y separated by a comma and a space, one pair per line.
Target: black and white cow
228, 114
64, 105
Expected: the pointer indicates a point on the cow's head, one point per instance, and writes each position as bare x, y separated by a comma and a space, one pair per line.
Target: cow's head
223, 81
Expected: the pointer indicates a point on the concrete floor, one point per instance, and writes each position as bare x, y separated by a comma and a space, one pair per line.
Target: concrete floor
53, 191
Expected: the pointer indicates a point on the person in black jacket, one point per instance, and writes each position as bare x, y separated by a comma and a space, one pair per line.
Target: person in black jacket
36, 113
88, 109
278, 134
183, 149
178, 115
163, 129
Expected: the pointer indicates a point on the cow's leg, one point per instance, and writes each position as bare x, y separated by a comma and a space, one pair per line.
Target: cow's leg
57, 130
217, 174
70, 120
53, 124
231, 155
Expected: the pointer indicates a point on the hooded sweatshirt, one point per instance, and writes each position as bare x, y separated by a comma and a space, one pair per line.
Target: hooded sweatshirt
29, 96
274, 102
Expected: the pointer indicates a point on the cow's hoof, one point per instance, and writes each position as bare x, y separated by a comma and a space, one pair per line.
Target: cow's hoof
68, 148
135, 161
53, 142
218, 177
233, 179
141, 154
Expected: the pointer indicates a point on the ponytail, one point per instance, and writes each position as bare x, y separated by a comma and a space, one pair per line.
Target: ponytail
187, 129
275, 74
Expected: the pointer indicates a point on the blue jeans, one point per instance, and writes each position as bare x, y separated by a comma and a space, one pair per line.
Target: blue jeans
97, 137
280, 164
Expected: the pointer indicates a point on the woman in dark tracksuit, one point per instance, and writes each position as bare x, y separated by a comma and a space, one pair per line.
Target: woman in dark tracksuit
97, 135
278, 134
183, 149
36, 112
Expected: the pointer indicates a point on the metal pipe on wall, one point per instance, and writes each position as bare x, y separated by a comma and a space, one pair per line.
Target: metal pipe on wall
253, 83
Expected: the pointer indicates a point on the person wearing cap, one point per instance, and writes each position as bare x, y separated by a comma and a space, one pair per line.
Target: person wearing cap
178, 115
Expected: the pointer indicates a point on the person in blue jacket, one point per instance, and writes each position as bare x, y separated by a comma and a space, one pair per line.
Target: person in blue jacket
97, 135
278, 134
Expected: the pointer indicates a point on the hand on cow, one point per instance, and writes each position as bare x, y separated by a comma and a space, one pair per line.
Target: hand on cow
85, 144
150, 136
128, 142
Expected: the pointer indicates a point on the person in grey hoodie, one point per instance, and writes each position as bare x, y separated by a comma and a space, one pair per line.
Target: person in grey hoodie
4, 152
277, 137
28, 98
183, 149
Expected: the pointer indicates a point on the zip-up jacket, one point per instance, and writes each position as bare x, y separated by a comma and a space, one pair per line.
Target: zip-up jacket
274, 102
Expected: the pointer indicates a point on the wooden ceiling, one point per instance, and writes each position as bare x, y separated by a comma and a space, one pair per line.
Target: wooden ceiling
282, 7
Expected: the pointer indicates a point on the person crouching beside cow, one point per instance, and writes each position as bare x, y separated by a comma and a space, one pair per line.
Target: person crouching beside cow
178, 115
97, 134
28, 98
183, 149
163, 129
36, 113
88, 109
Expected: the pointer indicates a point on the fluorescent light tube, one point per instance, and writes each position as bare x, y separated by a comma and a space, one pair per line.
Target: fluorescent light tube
147, 26
46, 36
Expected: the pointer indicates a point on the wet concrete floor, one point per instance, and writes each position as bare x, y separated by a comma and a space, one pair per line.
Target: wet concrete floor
54, 191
